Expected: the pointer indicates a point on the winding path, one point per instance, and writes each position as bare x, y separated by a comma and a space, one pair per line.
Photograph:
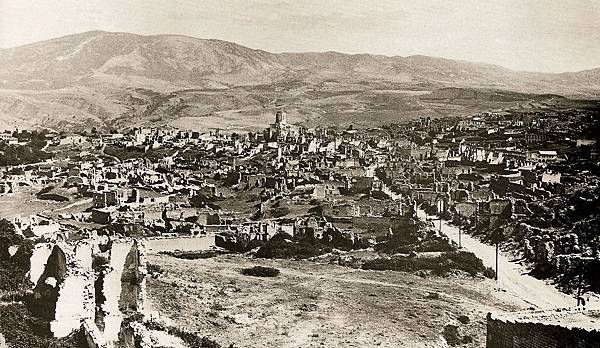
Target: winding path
513, 278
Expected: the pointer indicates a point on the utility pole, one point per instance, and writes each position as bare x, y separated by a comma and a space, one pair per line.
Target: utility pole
498, 235
459, 237
580, 299
579, 290
497, 247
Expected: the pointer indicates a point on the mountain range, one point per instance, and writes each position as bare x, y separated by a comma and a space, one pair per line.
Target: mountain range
110, 79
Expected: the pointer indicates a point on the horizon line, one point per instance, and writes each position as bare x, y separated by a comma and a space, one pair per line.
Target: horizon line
301, 52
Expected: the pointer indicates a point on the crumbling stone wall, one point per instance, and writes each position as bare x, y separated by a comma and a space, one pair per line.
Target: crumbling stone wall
500, 210
46, 290
466, 209
64, 292
112, 290
124, 285
133, 280
38, 260
93, 336
514, 334
76, 300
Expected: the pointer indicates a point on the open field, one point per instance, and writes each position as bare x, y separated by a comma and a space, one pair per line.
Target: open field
311, 304
25, 203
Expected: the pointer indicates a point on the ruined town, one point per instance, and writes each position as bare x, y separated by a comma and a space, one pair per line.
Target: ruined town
92, 221
299, 174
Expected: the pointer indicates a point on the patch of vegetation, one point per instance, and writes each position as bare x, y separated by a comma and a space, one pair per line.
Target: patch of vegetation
260, 271
433, 296
430, 244
13, 269
463, 319
451, 335
193, 255
284, 246
46, 194
229, 242
23, 330
13, 296
12, 155
412, 236
440, 265
154, 269
203, 201
53, 197
191, 339
124, 153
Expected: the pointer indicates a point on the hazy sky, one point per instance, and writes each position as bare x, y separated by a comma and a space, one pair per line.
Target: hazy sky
534, 35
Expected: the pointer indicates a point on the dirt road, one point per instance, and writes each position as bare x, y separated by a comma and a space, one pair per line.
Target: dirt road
74, 204
513, 278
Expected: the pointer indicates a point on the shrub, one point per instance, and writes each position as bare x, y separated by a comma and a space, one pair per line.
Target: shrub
489, 272
466, 261
261, 271
467, 339
52, 197
451, 335
433, 296
463, 319
154, 269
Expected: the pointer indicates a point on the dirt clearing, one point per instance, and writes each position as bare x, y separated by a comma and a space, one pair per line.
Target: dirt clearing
320, 305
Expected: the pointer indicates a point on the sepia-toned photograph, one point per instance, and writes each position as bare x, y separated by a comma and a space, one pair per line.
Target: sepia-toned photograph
299, 173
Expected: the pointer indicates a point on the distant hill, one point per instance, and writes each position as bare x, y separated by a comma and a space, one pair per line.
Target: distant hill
124, 79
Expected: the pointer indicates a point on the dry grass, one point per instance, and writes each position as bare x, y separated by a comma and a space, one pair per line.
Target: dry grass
312, 304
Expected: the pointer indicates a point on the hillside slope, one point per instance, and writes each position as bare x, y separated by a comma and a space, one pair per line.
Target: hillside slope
104, 79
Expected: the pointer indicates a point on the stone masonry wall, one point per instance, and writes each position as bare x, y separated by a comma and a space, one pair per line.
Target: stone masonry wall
112, 290
506, 334
75, 302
